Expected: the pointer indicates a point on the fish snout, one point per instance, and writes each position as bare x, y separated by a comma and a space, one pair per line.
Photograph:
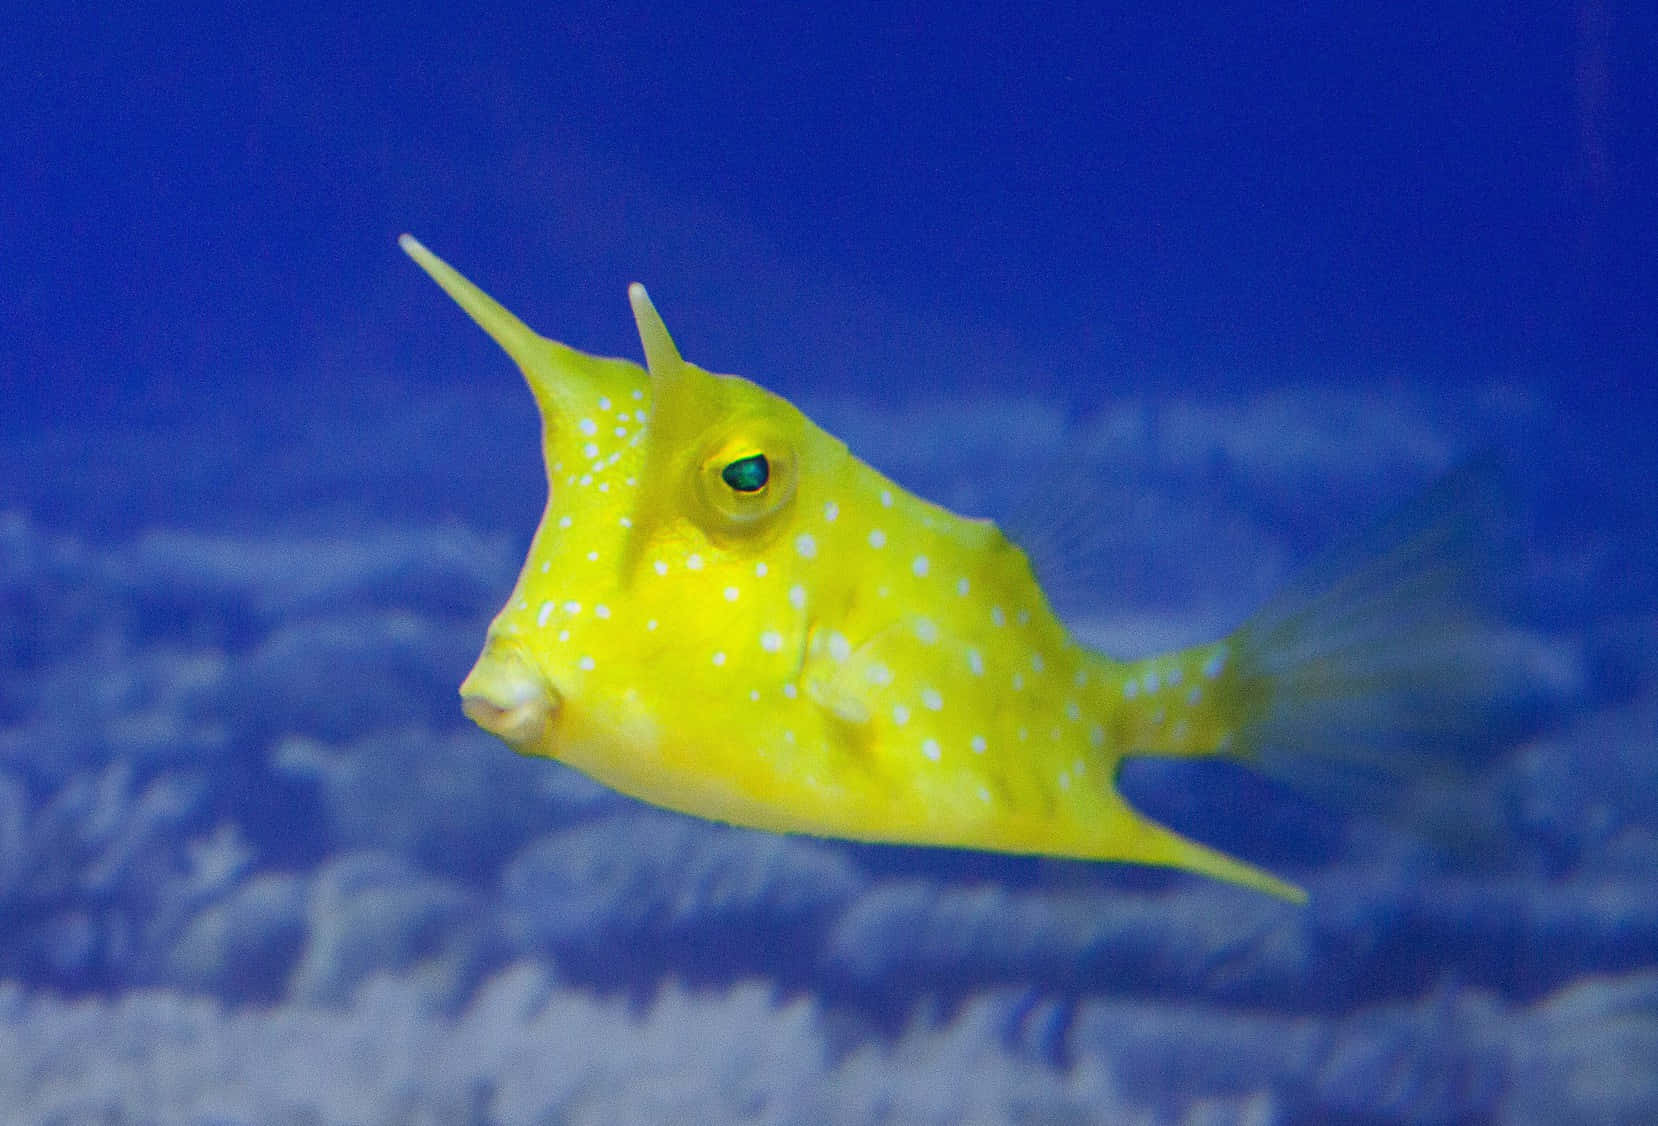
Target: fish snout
509, 697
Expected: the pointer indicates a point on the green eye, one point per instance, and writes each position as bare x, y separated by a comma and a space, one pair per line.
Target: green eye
747, 474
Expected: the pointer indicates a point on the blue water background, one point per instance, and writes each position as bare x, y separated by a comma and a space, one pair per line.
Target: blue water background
1235, 279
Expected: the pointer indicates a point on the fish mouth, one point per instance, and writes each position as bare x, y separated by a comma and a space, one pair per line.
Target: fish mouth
508, 697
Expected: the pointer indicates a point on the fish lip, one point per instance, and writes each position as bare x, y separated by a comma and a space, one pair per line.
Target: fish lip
507, 696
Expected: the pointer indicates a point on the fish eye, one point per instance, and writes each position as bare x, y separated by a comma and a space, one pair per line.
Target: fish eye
747, 474
745, 481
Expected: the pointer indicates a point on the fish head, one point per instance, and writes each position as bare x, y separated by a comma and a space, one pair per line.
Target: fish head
658, 628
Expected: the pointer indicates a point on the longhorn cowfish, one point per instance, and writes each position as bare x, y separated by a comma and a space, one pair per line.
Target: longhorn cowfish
726, 613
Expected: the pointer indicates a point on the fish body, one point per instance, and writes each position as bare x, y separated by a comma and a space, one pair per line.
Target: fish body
726, 613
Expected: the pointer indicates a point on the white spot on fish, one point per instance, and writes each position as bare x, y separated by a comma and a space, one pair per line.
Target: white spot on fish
877, 538
879, 675
975, 661
886, 498
929, 747
546, 565
797, 597
900, 714
830, 511
1131, 688
926, 630
978, 744
839, 648
998, 617
601, 610
760, 569
962, 586
572, 607
791, 692
625, 522
984, 795
1037, 664
590, 451
543, 614
693, 562
719, 658
564, 521
604, 402
771, 641
592, 557
651, 625
931, 700
1215, 665
586, 664
660, 567
805, 546
919, 566
731, 593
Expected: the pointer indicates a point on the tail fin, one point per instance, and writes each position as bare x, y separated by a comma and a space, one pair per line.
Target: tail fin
1381, 668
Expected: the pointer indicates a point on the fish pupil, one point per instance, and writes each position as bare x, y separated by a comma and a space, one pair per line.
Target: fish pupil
747, 474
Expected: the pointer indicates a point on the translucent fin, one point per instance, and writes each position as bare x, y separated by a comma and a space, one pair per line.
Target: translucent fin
1381, 668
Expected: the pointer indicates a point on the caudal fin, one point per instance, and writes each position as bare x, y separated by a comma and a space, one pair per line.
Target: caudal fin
1383, 667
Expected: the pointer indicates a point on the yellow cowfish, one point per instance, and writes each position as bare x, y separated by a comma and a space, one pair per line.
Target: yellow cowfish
726, 613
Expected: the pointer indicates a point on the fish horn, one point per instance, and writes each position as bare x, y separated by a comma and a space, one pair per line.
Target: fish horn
516, 338
661, 355
552, 369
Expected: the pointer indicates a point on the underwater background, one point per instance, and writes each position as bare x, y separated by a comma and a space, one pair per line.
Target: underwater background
1212, 287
